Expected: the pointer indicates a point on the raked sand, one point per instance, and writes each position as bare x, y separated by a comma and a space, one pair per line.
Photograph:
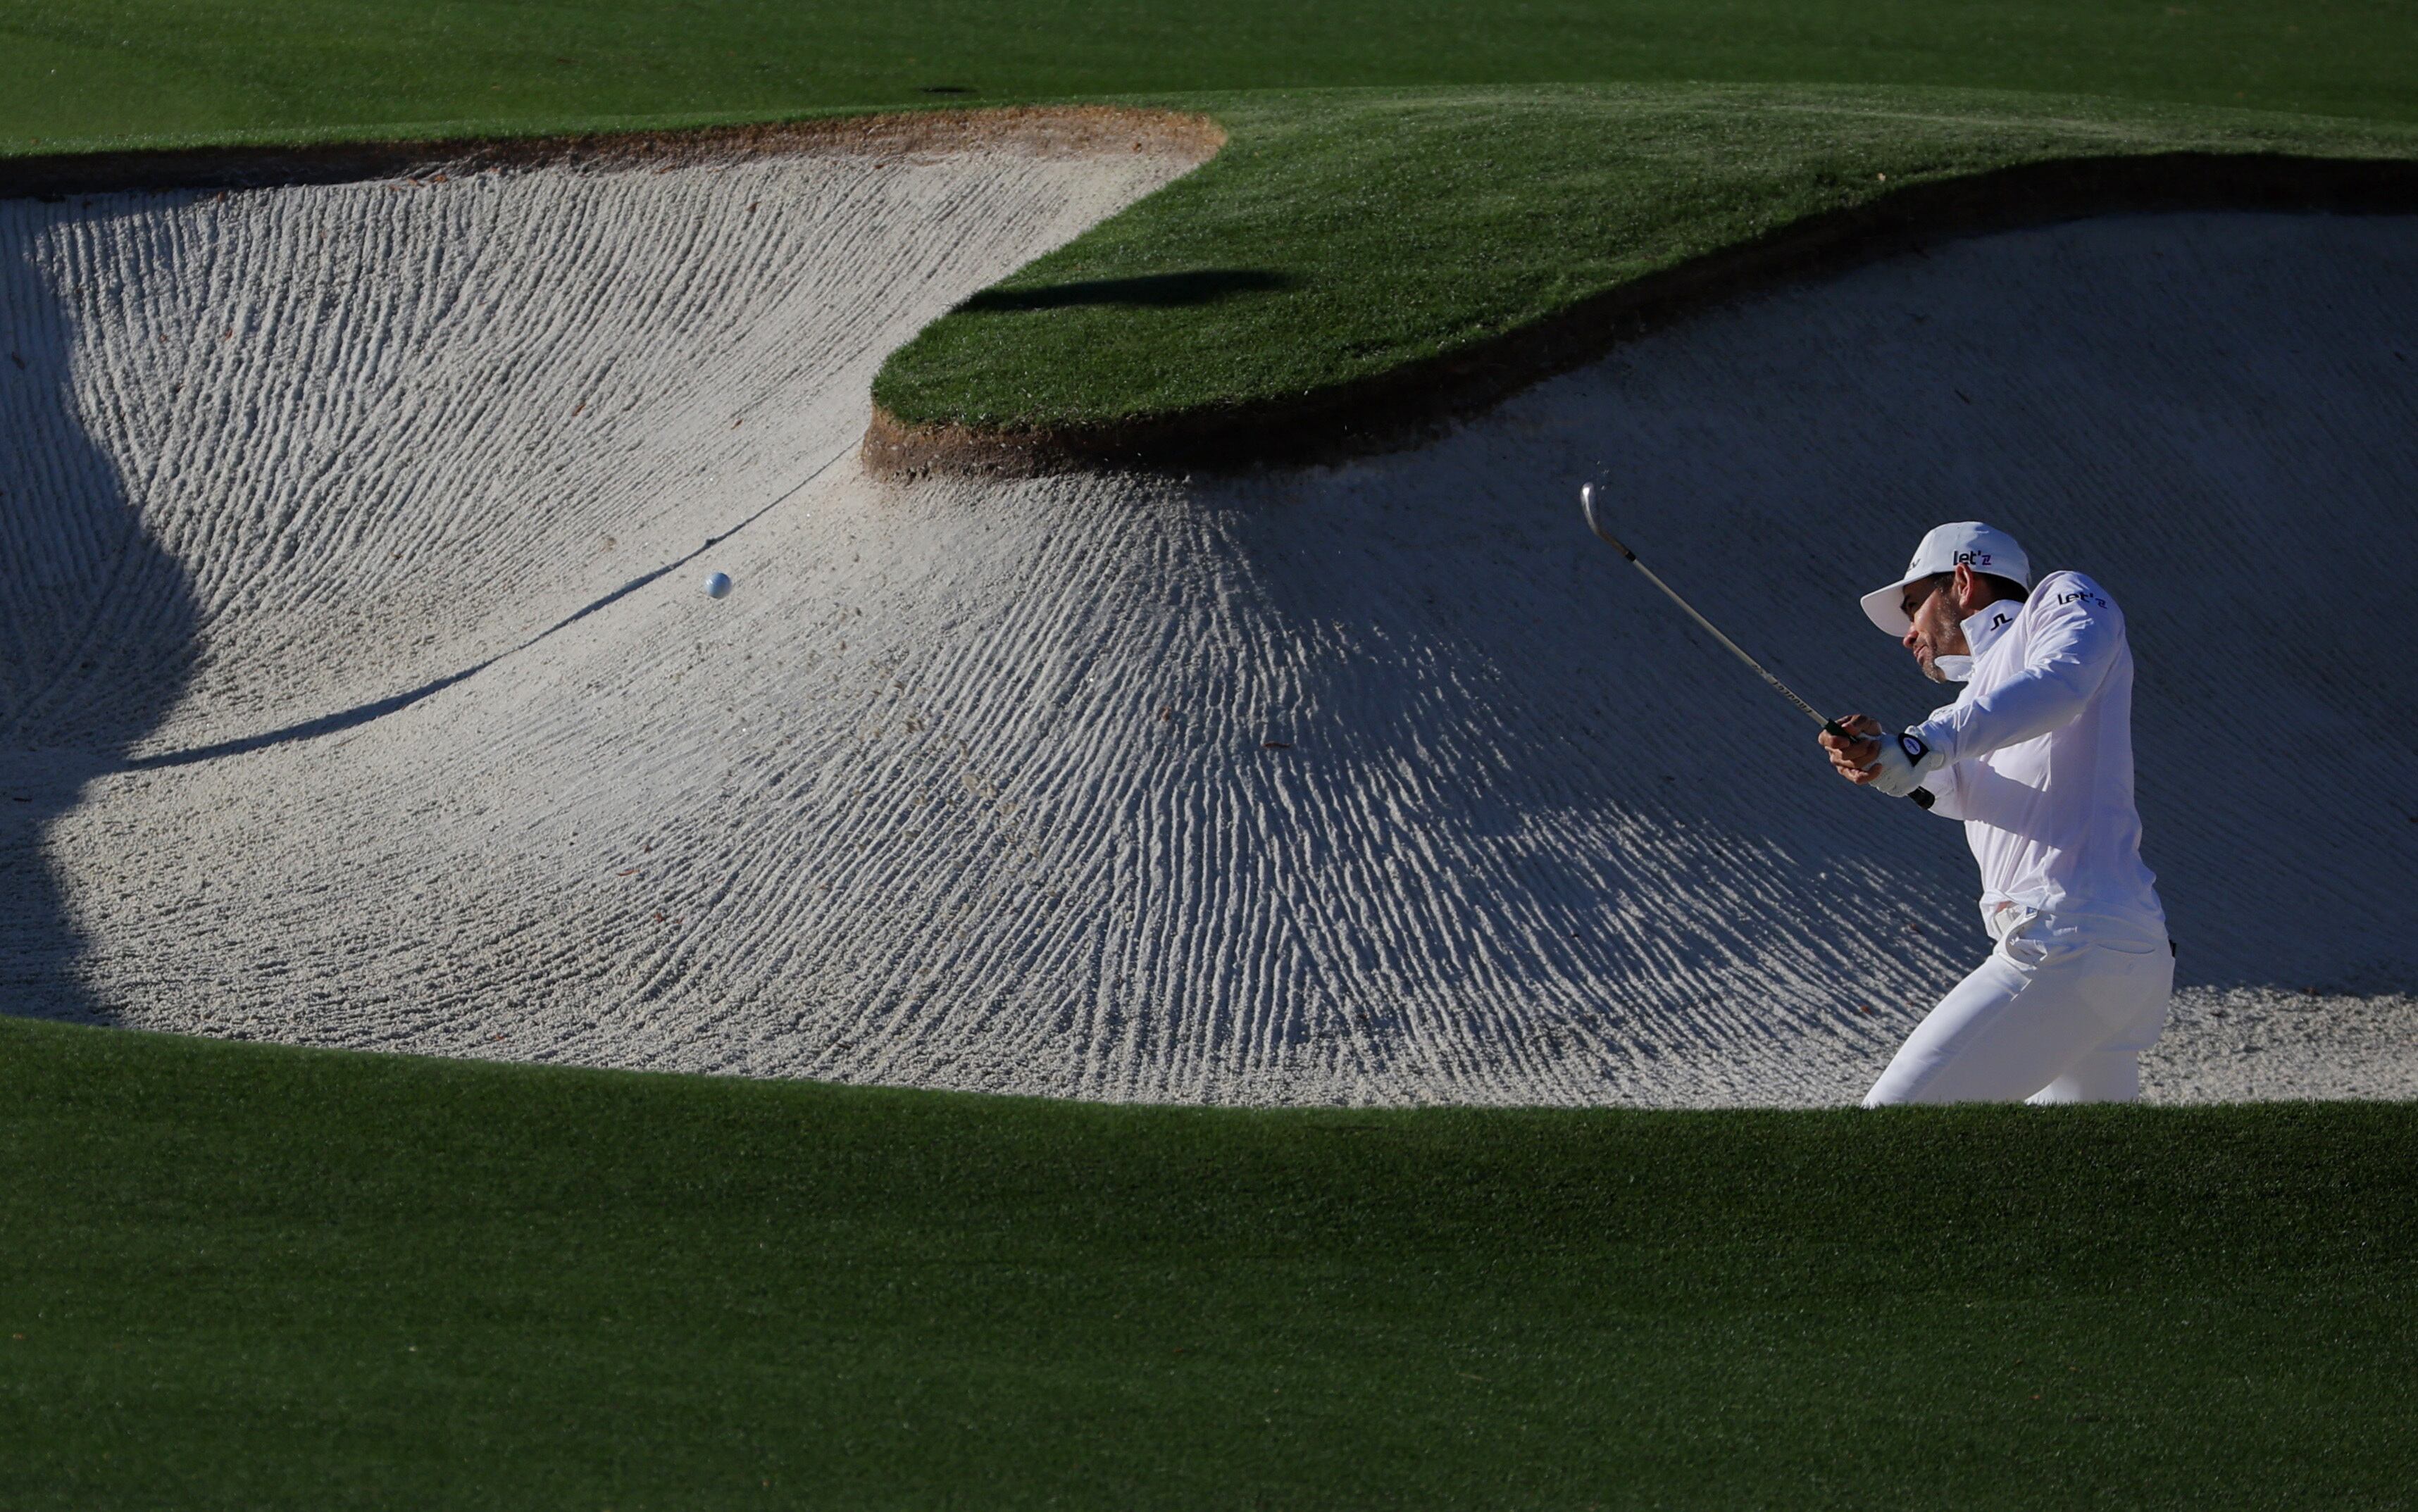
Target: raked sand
332, 714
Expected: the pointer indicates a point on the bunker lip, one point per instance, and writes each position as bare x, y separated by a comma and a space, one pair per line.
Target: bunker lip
1051, 130
1409, 406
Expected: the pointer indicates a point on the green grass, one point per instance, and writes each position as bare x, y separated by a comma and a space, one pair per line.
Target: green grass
1357, 232
149, 69
243, 1276
1422, 177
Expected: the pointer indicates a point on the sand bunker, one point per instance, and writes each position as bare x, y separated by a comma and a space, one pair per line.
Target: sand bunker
347, 700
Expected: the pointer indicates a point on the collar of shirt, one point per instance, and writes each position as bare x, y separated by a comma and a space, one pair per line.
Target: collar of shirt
1983, 629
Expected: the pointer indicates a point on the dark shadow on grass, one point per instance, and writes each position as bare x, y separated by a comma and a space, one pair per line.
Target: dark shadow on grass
1207, 285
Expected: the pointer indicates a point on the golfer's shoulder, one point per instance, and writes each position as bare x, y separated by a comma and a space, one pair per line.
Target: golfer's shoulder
2066, 594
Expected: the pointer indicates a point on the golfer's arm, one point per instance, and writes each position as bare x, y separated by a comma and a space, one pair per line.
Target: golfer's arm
2067, 663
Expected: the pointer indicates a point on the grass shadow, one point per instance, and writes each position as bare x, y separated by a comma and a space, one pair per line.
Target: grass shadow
1166, 291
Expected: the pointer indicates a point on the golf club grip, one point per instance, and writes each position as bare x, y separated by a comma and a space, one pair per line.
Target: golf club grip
1921, 796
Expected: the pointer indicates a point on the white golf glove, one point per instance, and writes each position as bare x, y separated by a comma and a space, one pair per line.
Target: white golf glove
1904, 761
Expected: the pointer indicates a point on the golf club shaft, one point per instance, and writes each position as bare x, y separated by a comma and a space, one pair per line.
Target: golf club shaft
1710, 629
1829, 725
1760, 670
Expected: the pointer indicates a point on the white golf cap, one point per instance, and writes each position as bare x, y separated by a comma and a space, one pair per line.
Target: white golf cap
1967, 542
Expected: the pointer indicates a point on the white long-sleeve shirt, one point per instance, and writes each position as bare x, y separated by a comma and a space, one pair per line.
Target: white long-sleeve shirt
2040, 765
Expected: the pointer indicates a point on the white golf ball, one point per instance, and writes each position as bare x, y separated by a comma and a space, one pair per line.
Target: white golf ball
716, 585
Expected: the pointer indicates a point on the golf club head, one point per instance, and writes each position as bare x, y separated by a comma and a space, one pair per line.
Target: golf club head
1588, 493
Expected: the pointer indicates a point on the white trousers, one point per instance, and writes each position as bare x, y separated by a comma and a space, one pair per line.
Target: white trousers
2041, 1021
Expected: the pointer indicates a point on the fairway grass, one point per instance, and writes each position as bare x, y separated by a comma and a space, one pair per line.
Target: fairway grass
131, 72
241, 1275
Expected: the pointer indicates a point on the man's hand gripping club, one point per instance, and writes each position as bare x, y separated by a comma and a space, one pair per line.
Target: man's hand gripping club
1892, 765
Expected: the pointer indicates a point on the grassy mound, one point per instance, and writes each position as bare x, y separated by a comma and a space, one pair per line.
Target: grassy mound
1340, 237
240, 1276
1435, 188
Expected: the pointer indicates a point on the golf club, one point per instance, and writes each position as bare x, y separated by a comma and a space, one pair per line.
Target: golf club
1830, 727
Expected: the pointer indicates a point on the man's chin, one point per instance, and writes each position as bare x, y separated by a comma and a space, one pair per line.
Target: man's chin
1931, 669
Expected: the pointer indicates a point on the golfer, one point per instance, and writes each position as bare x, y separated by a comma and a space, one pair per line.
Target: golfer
2036, 756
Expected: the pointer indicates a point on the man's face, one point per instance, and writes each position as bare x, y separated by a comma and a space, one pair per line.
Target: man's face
1937, 630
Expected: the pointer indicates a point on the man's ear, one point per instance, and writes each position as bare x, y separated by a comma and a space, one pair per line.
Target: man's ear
1969, 592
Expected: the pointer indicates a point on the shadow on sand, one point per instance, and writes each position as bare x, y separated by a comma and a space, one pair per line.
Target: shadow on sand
97, 621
